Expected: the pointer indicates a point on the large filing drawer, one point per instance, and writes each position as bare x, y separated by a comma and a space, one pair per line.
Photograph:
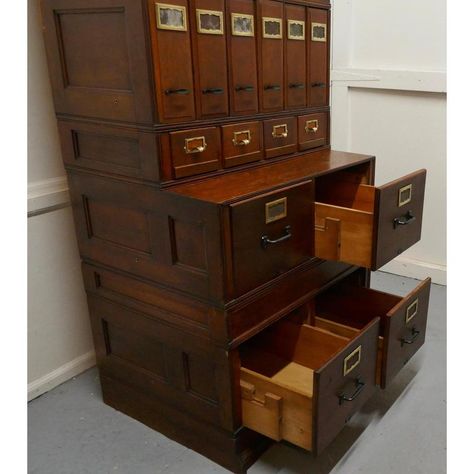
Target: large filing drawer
346, 308
301, 384
366, 225
270, 235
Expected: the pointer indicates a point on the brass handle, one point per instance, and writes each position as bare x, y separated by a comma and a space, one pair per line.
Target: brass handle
349, 398
195, 145
280, 131
238, 141
311, 126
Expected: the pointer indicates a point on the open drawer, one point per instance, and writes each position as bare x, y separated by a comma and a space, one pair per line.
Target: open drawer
366, 225
345, 309
302, 384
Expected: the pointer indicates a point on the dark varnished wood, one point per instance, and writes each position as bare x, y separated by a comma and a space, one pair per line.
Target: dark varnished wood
97, 58
307, 137
234, 151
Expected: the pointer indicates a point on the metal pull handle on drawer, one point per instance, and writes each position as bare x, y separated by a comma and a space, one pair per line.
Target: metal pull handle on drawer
414, 334
311, 126
280, 131
213, 90
349, 398
244, 88
271, 87
177, 91
318, 84
266, 241
238, 139
297, 85
408, 218
195, 144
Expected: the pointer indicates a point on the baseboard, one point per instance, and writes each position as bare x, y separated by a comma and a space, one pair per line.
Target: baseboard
418, 269
60, 375
50, 194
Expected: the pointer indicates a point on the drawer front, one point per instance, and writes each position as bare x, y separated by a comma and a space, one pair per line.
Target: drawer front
243, 57
312, 130
241, 143
295, 39
271, 55
405, 329
399, 214
318, 49
172, 60
343, 385
195, 151
271, 234
279, 136
211, 58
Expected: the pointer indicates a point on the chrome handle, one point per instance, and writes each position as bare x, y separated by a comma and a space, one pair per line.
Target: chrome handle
414, 334
350, 398
266, 241
406, 219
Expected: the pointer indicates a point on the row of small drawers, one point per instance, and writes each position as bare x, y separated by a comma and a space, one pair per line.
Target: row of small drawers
202, 150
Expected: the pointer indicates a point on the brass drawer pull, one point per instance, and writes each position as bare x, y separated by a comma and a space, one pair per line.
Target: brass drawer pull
244, 88
177, 91
414, 334
280, 131
311, 126
271, 87
242, 138
408, 218
349, 398
213, 90
195, 144
266, 241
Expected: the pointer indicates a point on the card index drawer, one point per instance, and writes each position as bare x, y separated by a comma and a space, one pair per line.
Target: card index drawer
366, 225
301, 384
241, 143
312, 130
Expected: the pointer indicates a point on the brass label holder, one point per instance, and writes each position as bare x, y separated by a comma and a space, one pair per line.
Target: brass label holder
275, 210
404, 195
319, 32
271, 28
210, 29
411, 311
170, 17
296, 30
352, 360
311, 126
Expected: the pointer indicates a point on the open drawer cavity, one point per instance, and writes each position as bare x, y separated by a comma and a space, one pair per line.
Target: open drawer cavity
301, 383
366, 225
345, 309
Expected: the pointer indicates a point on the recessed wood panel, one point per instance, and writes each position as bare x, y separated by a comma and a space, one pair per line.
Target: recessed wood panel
137, 349
90, 58
118, 225
200, 376
188, 244
97, 58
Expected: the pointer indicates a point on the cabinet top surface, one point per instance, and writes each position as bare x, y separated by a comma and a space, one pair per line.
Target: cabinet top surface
241, 184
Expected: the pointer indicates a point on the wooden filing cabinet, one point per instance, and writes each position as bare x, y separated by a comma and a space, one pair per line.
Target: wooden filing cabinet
226, 247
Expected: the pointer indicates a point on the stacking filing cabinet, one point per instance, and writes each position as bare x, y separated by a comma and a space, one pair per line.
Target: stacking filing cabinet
226, 248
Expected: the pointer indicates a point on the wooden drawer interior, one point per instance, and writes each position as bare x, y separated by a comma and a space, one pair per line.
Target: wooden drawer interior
367, 225
281, 370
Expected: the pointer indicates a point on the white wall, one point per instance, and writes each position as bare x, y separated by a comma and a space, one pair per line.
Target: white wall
389, 99
59, 336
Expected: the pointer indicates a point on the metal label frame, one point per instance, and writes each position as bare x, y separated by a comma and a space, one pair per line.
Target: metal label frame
162, 26
245, 141
284, 134
234, 16
313, 129
198, 149
281, 215
409, 315
206, 31
267, 19
316, 38
401, 201
295, 37
348, 369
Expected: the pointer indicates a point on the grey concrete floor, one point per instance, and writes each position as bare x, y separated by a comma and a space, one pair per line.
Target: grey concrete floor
401, 430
